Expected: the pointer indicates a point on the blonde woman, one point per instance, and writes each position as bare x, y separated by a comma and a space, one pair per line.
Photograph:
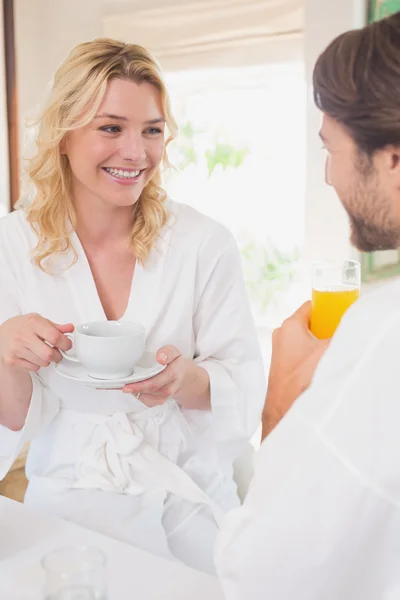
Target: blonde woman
150, 464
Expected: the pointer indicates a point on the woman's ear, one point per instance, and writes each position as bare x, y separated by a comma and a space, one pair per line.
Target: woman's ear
63, 145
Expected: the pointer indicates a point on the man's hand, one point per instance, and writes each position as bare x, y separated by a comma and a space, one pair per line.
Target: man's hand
295, 355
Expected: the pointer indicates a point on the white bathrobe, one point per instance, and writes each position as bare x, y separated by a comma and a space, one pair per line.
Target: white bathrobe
321, 520
159, 478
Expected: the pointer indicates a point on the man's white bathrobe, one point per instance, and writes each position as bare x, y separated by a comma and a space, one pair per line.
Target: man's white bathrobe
321, 520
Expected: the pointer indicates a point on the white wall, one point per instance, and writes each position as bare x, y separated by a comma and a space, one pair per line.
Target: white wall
4, 177
326, 223
46, 30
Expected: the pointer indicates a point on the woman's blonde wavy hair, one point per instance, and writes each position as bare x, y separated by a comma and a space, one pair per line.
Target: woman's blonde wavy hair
78, 90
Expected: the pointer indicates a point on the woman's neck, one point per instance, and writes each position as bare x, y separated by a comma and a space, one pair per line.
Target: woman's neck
100, 225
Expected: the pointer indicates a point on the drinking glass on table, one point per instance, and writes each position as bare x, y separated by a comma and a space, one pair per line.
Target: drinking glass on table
335, 287
75, 573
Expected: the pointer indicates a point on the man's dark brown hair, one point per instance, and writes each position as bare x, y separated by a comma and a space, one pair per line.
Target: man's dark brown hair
357, 83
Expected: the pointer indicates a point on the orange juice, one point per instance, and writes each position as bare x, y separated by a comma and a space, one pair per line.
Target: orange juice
328, 307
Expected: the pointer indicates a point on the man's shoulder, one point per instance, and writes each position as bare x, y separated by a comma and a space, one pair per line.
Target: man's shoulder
375, 312
379, 303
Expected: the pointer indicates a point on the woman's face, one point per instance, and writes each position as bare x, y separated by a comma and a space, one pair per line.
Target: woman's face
115, 156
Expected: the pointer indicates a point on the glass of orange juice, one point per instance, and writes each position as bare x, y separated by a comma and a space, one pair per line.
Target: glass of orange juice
335, 286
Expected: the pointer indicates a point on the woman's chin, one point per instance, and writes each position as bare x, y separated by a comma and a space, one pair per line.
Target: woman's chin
123, 202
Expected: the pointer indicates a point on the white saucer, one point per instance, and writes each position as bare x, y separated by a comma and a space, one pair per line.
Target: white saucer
145, 368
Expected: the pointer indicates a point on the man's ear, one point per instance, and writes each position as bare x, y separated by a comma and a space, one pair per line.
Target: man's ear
388, 159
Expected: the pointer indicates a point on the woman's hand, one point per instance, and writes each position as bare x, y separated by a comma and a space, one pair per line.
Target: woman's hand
187, 383
26, 342
295, 355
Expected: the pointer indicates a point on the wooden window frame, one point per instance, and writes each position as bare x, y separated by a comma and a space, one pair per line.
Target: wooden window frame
11, 101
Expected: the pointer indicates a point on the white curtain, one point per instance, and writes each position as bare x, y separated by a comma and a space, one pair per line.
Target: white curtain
206, 33
4, 173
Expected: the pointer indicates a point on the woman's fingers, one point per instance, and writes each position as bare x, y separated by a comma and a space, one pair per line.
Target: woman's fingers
24, 365
46, 330
29, 356
43, 351
150, 386
151, 400
167, 354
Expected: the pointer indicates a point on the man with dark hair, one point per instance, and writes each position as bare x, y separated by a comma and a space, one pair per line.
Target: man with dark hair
322, 518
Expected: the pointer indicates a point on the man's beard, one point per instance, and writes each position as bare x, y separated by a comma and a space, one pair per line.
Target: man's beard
373, 226
370, 237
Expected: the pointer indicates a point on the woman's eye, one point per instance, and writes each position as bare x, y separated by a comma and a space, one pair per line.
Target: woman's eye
154, 130
111, 129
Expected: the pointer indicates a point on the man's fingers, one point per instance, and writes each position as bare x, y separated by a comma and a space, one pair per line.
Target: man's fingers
303, 313
324, 345
310, 364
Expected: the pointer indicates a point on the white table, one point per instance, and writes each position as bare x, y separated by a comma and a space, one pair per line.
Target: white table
26, 535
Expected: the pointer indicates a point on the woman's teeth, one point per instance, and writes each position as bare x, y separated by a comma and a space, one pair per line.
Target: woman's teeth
121, 173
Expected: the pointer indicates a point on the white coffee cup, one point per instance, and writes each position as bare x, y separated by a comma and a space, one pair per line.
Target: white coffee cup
107, 349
